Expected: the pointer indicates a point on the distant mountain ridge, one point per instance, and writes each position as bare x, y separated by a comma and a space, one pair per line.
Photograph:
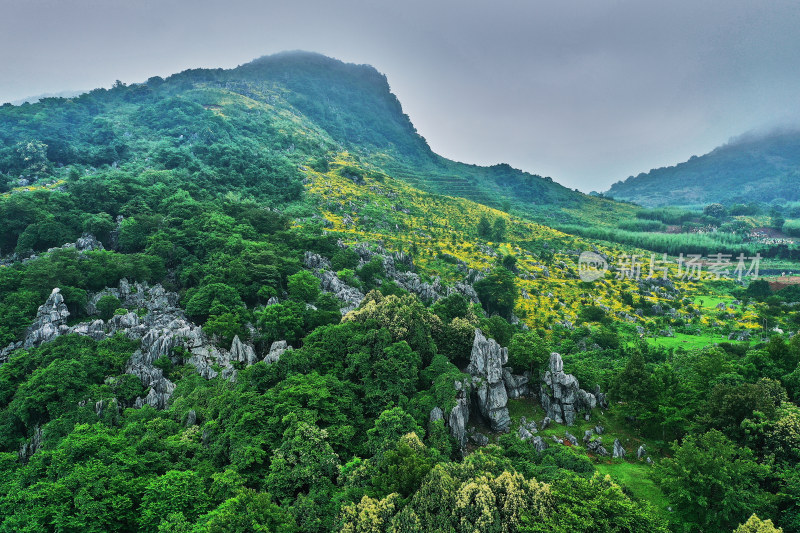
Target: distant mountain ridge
303, 107
752, 168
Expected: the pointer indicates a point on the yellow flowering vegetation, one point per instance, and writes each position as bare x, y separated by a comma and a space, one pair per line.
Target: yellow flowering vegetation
362, 204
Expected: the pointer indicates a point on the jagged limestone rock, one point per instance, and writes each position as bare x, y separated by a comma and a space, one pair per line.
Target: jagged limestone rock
524, 434
276, 350
619, 451
596, 447
641, 452
516, 385
436, 414
459, 414
587, 435
571, 438
161, 330
242, 352
349, 296
560, 393
486, 368
539, 444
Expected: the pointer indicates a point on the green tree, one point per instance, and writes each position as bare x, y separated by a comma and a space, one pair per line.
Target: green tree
303, 461
528, 351
498, 291
713, 484
484, 228
389, 427
173, 492
755, 525
106, 306
304, 286
499, 229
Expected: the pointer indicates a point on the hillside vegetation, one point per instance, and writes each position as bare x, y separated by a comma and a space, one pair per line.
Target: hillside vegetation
753, 168
254, 300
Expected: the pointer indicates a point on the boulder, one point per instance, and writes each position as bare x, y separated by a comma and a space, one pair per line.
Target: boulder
539, 444
436, 414
524, 434
641, 452
571, 438
242, 352
479, 439
459, 414
276, 350
597, 448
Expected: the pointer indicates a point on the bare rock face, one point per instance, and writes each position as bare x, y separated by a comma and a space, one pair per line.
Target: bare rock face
571, 438
596, 447
641, 453
479, 439
459, 414
32, 446
436, 414
50, 322
560, 393
619, 451
349, 296
516, 385
242, 352
276, 350
486, 368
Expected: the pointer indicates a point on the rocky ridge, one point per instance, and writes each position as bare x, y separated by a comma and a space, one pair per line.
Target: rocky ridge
154, 319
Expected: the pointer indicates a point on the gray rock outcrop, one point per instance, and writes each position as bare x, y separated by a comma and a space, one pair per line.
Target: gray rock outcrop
560, 393
597, 448
619, 451
276, 350
160, 326
641, 453
486, 368
571, 438
516, 385
349, 296
459, 415
539, 444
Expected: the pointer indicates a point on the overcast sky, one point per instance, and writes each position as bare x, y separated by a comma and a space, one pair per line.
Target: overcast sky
585, 91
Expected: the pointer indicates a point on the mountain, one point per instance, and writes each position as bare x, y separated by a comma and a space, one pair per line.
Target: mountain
285, 110
751, 168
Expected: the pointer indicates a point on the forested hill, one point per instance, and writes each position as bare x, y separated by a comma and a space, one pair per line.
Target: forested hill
263, 118
753, 168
